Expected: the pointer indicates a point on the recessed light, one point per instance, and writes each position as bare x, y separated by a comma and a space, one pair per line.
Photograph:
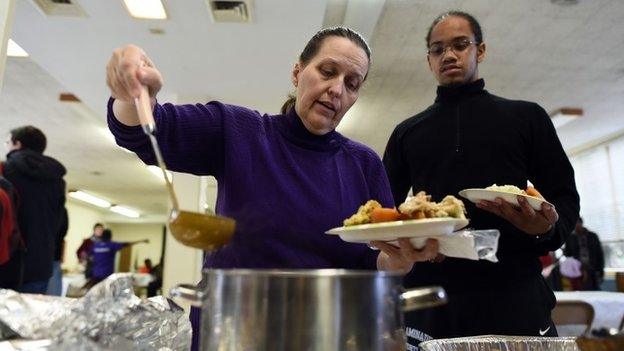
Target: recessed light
146, 9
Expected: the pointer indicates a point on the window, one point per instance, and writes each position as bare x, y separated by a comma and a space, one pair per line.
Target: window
599, 176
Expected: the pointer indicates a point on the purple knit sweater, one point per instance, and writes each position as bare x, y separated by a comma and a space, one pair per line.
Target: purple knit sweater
283, 185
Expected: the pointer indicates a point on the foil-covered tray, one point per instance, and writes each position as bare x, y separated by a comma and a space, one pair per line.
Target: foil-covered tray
108, 317
501, 343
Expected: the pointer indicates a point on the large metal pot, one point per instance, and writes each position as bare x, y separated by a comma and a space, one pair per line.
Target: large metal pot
320, 310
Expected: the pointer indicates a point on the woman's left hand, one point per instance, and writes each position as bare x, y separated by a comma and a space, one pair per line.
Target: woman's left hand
402, 258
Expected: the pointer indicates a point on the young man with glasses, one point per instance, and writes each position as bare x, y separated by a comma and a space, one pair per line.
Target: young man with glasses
470, 138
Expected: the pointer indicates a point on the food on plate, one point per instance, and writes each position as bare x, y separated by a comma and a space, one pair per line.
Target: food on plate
363, 215
506, 189
379, 215
421, 206
415, 207
530, 191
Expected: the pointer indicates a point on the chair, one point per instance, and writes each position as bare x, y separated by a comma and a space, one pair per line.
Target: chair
573, 313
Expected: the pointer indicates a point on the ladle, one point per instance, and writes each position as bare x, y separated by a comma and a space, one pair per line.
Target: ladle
192, 229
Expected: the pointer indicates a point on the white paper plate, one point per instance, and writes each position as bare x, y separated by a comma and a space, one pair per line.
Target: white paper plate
476, 195
390, 231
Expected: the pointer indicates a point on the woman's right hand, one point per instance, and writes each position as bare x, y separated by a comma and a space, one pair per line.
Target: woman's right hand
128, 69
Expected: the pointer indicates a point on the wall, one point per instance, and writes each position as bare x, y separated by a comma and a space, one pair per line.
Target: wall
136, 232
183, 264
6, 20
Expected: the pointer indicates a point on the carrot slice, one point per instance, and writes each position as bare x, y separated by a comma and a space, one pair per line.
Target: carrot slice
384, 215
531, 191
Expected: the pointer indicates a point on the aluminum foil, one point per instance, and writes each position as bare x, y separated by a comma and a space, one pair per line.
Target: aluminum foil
501, 343
108, 317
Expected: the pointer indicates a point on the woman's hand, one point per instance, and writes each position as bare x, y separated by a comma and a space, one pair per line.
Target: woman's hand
128, 69
402, 258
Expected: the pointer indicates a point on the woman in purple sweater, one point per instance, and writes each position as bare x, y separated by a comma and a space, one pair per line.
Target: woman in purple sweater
285, 179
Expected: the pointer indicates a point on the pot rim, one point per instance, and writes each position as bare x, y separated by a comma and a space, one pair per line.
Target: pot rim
300, 273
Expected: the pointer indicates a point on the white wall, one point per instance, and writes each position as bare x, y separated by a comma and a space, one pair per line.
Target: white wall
135, 232
81, 221
6, 20
182, 263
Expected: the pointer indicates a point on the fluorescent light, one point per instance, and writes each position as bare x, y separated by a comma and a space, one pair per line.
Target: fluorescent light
146, 9
158, 173
15, 50
88, 198
565, 115
124, 211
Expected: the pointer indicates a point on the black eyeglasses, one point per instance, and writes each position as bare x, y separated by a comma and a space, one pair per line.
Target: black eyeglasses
438, 49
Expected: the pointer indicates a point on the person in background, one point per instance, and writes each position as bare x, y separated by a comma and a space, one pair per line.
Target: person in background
584, 245
39, 182
550, 270
156, 284
286, 178
84, 251
469, 138
103, 253
147, 266
55, 284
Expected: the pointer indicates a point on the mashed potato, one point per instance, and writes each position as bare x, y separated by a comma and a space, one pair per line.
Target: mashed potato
507, 189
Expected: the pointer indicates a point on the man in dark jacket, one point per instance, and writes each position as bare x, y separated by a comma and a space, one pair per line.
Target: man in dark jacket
470, 138
41, 188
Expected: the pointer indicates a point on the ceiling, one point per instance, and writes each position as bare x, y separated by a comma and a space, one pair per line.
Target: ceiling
556, 55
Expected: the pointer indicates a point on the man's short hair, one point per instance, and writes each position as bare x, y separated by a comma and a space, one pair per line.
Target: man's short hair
30, 137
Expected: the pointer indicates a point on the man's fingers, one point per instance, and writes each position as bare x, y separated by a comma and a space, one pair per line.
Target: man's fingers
525, 207
550, 213
490, 207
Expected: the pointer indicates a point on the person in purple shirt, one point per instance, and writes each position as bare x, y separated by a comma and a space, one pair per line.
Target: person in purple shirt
285, 179
103, 252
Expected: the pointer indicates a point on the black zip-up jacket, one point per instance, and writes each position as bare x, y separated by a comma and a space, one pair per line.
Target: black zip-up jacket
470, 138
41, 190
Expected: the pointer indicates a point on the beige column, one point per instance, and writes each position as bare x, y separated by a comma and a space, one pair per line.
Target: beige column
183, 264
7, 8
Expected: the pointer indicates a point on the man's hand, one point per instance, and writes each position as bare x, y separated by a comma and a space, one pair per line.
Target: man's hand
525, 218
402, 258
